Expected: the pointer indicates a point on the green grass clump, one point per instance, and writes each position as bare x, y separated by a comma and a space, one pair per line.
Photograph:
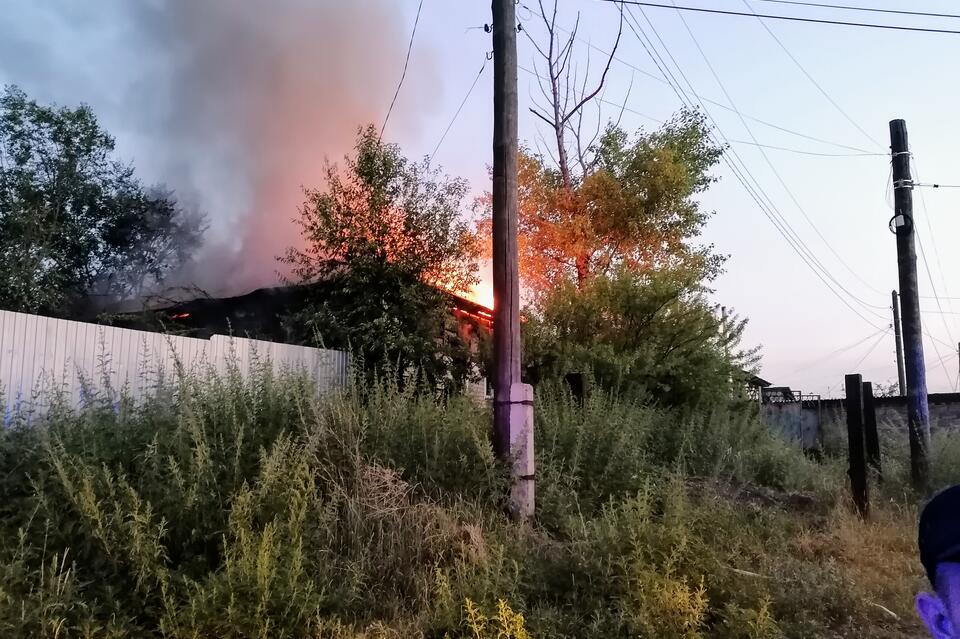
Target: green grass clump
224, 506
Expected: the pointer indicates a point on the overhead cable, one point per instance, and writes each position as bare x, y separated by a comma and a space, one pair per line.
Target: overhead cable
766, 158
663, 80
814, 153
459, 108
872, 348
813, 80
754, 190
869, 25
406, 63
847, 7
882, 332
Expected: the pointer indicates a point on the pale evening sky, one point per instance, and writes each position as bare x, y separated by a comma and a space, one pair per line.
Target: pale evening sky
111, 56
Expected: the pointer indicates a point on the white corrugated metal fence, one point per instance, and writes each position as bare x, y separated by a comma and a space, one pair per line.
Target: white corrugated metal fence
40, 355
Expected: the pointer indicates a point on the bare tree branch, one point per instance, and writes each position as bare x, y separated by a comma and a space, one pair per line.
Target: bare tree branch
603, 76
564, 56
566, 89
542, 117
596, 132
534, 43
549, 152
625, 100
540, 82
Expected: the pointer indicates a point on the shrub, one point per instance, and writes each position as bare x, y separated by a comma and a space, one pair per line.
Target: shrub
651, 335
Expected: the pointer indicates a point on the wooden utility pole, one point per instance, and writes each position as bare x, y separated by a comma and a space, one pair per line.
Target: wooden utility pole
512, 400
855, 448
870, 436
901, 379
918, 415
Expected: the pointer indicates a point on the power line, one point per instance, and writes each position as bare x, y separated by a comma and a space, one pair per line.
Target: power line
741, 172
633, 111
814, 153
812, 79
939, 358
940, 363
882, 332
872, 348
937, 186
606, 101
782, 225
790, 131
943, 318
935, 340
936, 252
938, 340
892, 27
406, 62
663, 80
459, 108
744, 142
766, 158
846, 7
930, 311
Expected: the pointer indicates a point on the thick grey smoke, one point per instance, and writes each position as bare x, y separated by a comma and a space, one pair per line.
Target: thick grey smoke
234, 104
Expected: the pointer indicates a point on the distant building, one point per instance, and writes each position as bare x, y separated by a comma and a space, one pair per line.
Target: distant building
755, 386
779, 395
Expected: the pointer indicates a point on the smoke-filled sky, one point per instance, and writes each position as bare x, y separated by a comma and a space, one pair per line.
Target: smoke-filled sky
236, 104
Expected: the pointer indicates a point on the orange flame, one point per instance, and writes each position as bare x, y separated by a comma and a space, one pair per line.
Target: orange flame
481, 293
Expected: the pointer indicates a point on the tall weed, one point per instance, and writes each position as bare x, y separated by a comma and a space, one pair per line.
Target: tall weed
232, 506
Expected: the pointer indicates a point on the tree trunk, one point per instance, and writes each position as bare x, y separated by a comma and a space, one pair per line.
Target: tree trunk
562, 160
583, 269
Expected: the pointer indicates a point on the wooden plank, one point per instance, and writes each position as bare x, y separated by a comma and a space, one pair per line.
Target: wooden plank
871, 437
855, 444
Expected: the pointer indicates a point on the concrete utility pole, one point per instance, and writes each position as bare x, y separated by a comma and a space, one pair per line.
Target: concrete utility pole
918, 415
901, 379
512, 400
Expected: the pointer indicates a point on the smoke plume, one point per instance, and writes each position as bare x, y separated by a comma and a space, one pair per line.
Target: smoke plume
235, 105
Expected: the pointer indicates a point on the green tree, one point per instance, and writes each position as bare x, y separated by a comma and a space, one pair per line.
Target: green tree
76, 224
609, 240
650, 334
633, 204
382, 241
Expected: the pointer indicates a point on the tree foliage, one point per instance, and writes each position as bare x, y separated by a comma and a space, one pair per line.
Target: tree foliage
381, 242
634, 205
649, 334
619, 280
74, 222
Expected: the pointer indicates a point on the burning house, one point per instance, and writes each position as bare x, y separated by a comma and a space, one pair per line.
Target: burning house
264, 314
261, 314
